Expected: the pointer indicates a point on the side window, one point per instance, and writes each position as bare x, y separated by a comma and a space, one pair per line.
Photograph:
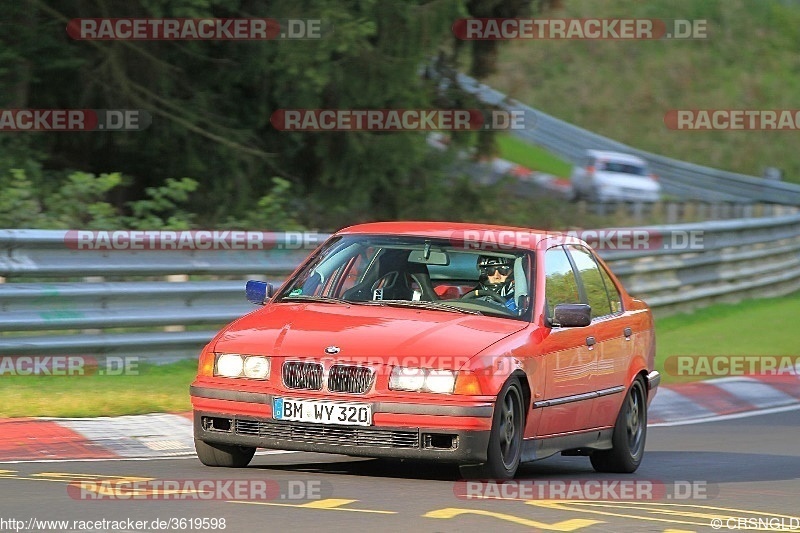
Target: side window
611, 289
560, 284
593, 283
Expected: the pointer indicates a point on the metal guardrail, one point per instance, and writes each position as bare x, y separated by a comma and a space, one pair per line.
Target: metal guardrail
52, 302
679, 178
738, 259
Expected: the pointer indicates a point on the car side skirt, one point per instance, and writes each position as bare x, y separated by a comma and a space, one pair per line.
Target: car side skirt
580, 443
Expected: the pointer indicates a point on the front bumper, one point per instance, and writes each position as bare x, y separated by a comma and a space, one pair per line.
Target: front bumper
244, 419
438, 444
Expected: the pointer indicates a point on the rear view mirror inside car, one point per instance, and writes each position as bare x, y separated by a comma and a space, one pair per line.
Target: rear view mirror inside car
433, 258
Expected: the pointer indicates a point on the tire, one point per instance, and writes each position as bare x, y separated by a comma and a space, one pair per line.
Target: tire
223, 454
629, 436
505, 440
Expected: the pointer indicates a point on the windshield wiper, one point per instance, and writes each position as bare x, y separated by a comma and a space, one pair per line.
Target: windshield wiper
438, 306
310, 298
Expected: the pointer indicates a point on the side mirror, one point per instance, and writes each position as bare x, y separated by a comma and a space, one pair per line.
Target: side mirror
572, 315
258, 292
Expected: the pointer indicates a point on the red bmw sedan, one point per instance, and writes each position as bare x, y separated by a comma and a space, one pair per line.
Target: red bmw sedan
485, 346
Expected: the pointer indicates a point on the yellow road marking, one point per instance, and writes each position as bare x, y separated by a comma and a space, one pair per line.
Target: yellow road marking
565, 525
69, 477
330, 504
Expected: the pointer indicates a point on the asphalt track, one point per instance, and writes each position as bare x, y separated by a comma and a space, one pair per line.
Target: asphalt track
743, 468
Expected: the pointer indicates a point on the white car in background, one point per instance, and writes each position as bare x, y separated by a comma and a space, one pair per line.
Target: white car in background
614, 177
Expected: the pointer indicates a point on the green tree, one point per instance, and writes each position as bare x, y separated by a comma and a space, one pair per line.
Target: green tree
211, 103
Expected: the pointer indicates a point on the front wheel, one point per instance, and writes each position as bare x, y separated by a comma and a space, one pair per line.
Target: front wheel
629, 435
223, 454
505, 441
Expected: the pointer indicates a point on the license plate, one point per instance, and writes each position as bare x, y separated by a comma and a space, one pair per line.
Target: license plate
322, 412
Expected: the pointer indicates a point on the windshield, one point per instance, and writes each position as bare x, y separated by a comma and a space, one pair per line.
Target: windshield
415, 272
623, 168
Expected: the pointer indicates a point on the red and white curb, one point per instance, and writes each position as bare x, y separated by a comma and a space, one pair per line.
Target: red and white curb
723, 398
158, 436
135, 436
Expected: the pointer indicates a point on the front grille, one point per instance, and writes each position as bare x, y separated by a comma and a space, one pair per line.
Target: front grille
327, 434
300, 375
355, 379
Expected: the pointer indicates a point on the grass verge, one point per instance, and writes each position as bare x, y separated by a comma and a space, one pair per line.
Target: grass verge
531, 156
755, 327
155, 389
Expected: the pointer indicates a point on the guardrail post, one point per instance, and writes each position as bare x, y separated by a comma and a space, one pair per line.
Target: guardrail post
93, 279
176, 278
638, 212
672, 213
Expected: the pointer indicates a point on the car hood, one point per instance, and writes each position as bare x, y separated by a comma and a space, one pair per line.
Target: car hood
307, 329
628, 181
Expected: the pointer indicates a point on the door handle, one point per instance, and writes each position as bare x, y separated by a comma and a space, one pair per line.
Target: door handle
590, 342
627, 332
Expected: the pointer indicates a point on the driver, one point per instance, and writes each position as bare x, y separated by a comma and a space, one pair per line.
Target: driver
497, 275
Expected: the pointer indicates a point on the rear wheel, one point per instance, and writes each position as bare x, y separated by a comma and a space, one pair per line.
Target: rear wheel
629, 435
505, 441
223, 454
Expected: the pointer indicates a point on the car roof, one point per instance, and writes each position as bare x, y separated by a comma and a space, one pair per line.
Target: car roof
517, 237
616, 156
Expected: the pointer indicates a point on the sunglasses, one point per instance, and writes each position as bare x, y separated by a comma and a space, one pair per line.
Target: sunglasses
503, 270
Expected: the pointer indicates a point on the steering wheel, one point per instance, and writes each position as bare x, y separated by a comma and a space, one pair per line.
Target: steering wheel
481, 292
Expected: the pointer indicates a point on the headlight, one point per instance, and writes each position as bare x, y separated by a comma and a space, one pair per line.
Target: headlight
403, 378
229, 365
441, 381
256, 367
422, 380
233, 365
